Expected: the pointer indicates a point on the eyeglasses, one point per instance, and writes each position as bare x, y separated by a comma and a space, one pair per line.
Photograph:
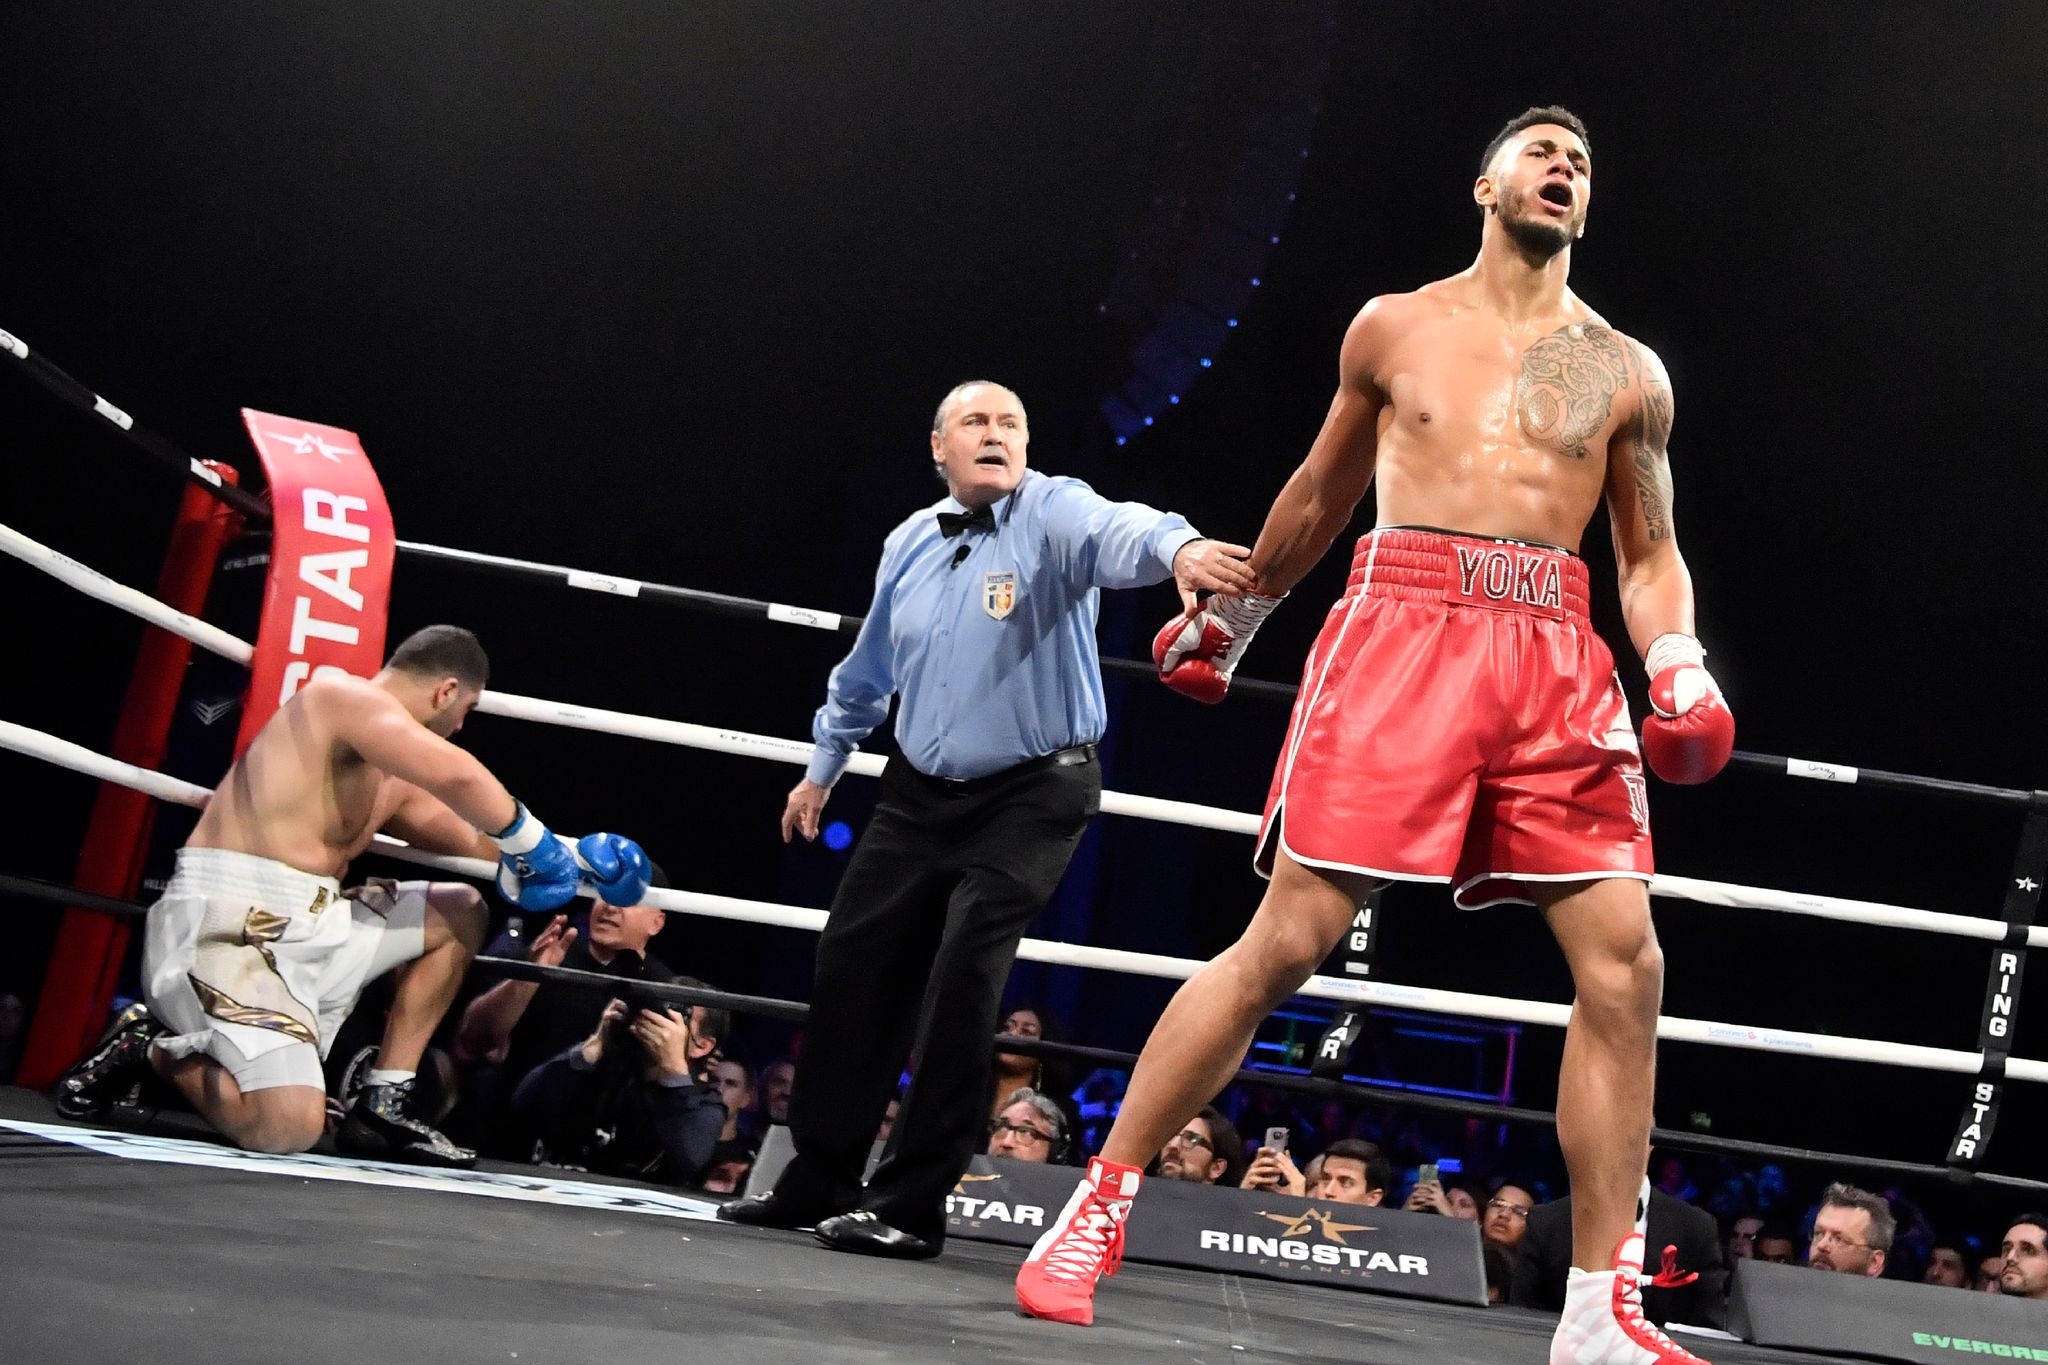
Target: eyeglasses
1829, 1237
1516, 1209
1188, 1137
1023, 1131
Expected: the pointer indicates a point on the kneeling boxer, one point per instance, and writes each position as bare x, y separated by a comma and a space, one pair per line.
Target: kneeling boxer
254, 955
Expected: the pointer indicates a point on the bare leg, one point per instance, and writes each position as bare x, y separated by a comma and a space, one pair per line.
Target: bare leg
285, 1118
1606, 1084
1201, 1039
455, 923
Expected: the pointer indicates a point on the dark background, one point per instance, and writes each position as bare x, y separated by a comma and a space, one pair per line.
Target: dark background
670, 292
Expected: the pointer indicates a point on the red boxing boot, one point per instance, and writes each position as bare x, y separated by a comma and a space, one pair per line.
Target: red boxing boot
1086, 1242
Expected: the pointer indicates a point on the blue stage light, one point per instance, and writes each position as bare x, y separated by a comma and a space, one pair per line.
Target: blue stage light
838, 835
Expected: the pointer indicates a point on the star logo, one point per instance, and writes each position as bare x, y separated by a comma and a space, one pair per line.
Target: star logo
2026, 883
1299, 1225
971, 1179
305, 443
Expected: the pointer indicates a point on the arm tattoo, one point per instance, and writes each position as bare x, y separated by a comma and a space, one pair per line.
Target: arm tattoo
1653, 459
1565, 393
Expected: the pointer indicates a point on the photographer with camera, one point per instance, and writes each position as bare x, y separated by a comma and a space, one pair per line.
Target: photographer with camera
638, 1097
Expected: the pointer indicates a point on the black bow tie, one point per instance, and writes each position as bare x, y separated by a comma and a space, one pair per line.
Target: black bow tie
953, 523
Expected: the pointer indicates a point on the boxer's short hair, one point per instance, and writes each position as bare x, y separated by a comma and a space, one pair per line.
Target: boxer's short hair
443, 652
1529, 118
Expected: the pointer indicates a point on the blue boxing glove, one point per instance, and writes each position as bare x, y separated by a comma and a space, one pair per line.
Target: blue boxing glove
537, 869
617, 865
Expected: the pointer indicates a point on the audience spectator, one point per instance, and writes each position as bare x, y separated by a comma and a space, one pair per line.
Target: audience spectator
1988, 1271
1681, 1246
735, 1081
1046, 1075
1742, 1234
1030, 1127
1672, 1179
1777, 1244
726, 1173
1203, 1152
1451, 1200
1946, 1267
776, 1079
1852, 1233
1507, 1216
13, 1029
1273, 1169
1354, 1172
2025, 1252
634, 1098
515, 1026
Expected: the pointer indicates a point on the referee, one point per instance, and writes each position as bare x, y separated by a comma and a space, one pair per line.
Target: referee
983, 627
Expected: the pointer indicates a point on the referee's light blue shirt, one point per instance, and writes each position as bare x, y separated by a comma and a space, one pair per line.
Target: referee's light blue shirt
994, 657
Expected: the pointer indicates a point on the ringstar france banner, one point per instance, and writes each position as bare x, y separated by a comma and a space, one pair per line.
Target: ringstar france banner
332, 547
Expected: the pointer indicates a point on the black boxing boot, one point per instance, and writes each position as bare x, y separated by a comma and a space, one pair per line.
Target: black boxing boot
378, 1126
117, 1065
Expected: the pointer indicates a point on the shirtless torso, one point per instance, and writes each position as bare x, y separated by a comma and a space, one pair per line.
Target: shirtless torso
340, 761
1501, 430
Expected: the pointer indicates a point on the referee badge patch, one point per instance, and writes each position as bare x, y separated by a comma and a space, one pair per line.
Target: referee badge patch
998, 594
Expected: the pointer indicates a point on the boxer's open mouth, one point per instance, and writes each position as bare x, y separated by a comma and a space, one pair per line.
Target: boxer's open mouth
1558, 193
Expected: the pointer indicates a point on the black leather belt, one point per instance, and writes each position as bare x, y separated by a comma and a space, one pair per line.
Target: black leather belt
1060, 758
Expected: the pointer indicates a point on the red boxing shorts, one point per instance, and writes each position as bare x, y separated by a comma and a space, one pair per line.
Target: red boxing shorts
1459, 721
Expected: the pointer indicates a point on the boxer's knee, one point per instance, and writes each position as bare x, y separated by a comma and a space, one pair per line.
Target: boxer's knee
284, 1120
1277, 953
462, 912
1621, 988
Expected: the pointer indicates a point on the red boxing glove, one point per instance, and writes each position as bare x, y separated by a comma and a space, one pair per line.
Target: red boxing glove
1198, 650
1689, 738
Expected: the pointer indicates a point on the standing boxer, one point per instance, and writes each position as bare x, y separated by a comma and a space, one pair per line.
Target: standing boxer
983, 625
1459, 721
254, 955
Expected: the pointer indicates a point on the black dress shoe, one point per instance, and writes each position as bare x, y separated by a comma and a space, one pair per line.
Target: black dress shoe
866, 1234
116, 1066
379, 1127
772, 1210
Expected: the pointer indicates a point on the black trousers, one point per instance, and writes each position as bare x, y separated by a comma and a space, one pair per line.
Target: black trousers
925, 924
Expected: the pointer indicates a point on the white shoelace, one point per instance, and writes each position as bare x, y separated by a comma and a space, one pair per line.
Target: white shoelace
1088, 1247
1629, 1312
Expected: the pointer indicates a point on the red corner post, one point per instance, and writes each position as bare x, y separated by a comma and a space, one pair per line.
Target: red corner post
86, 964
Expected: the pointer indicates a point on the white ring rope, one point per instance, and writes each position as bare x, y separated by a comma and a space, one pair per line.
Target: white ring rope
63, 753
514, 706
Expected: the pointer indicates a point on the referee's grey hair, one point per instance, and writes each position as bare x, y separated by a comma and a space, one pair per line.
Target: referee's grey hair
1044, 1107
939, 417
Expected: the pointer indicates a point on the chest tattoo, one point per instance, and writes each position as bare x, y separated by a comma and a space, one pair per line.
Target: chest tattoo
1566, 390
